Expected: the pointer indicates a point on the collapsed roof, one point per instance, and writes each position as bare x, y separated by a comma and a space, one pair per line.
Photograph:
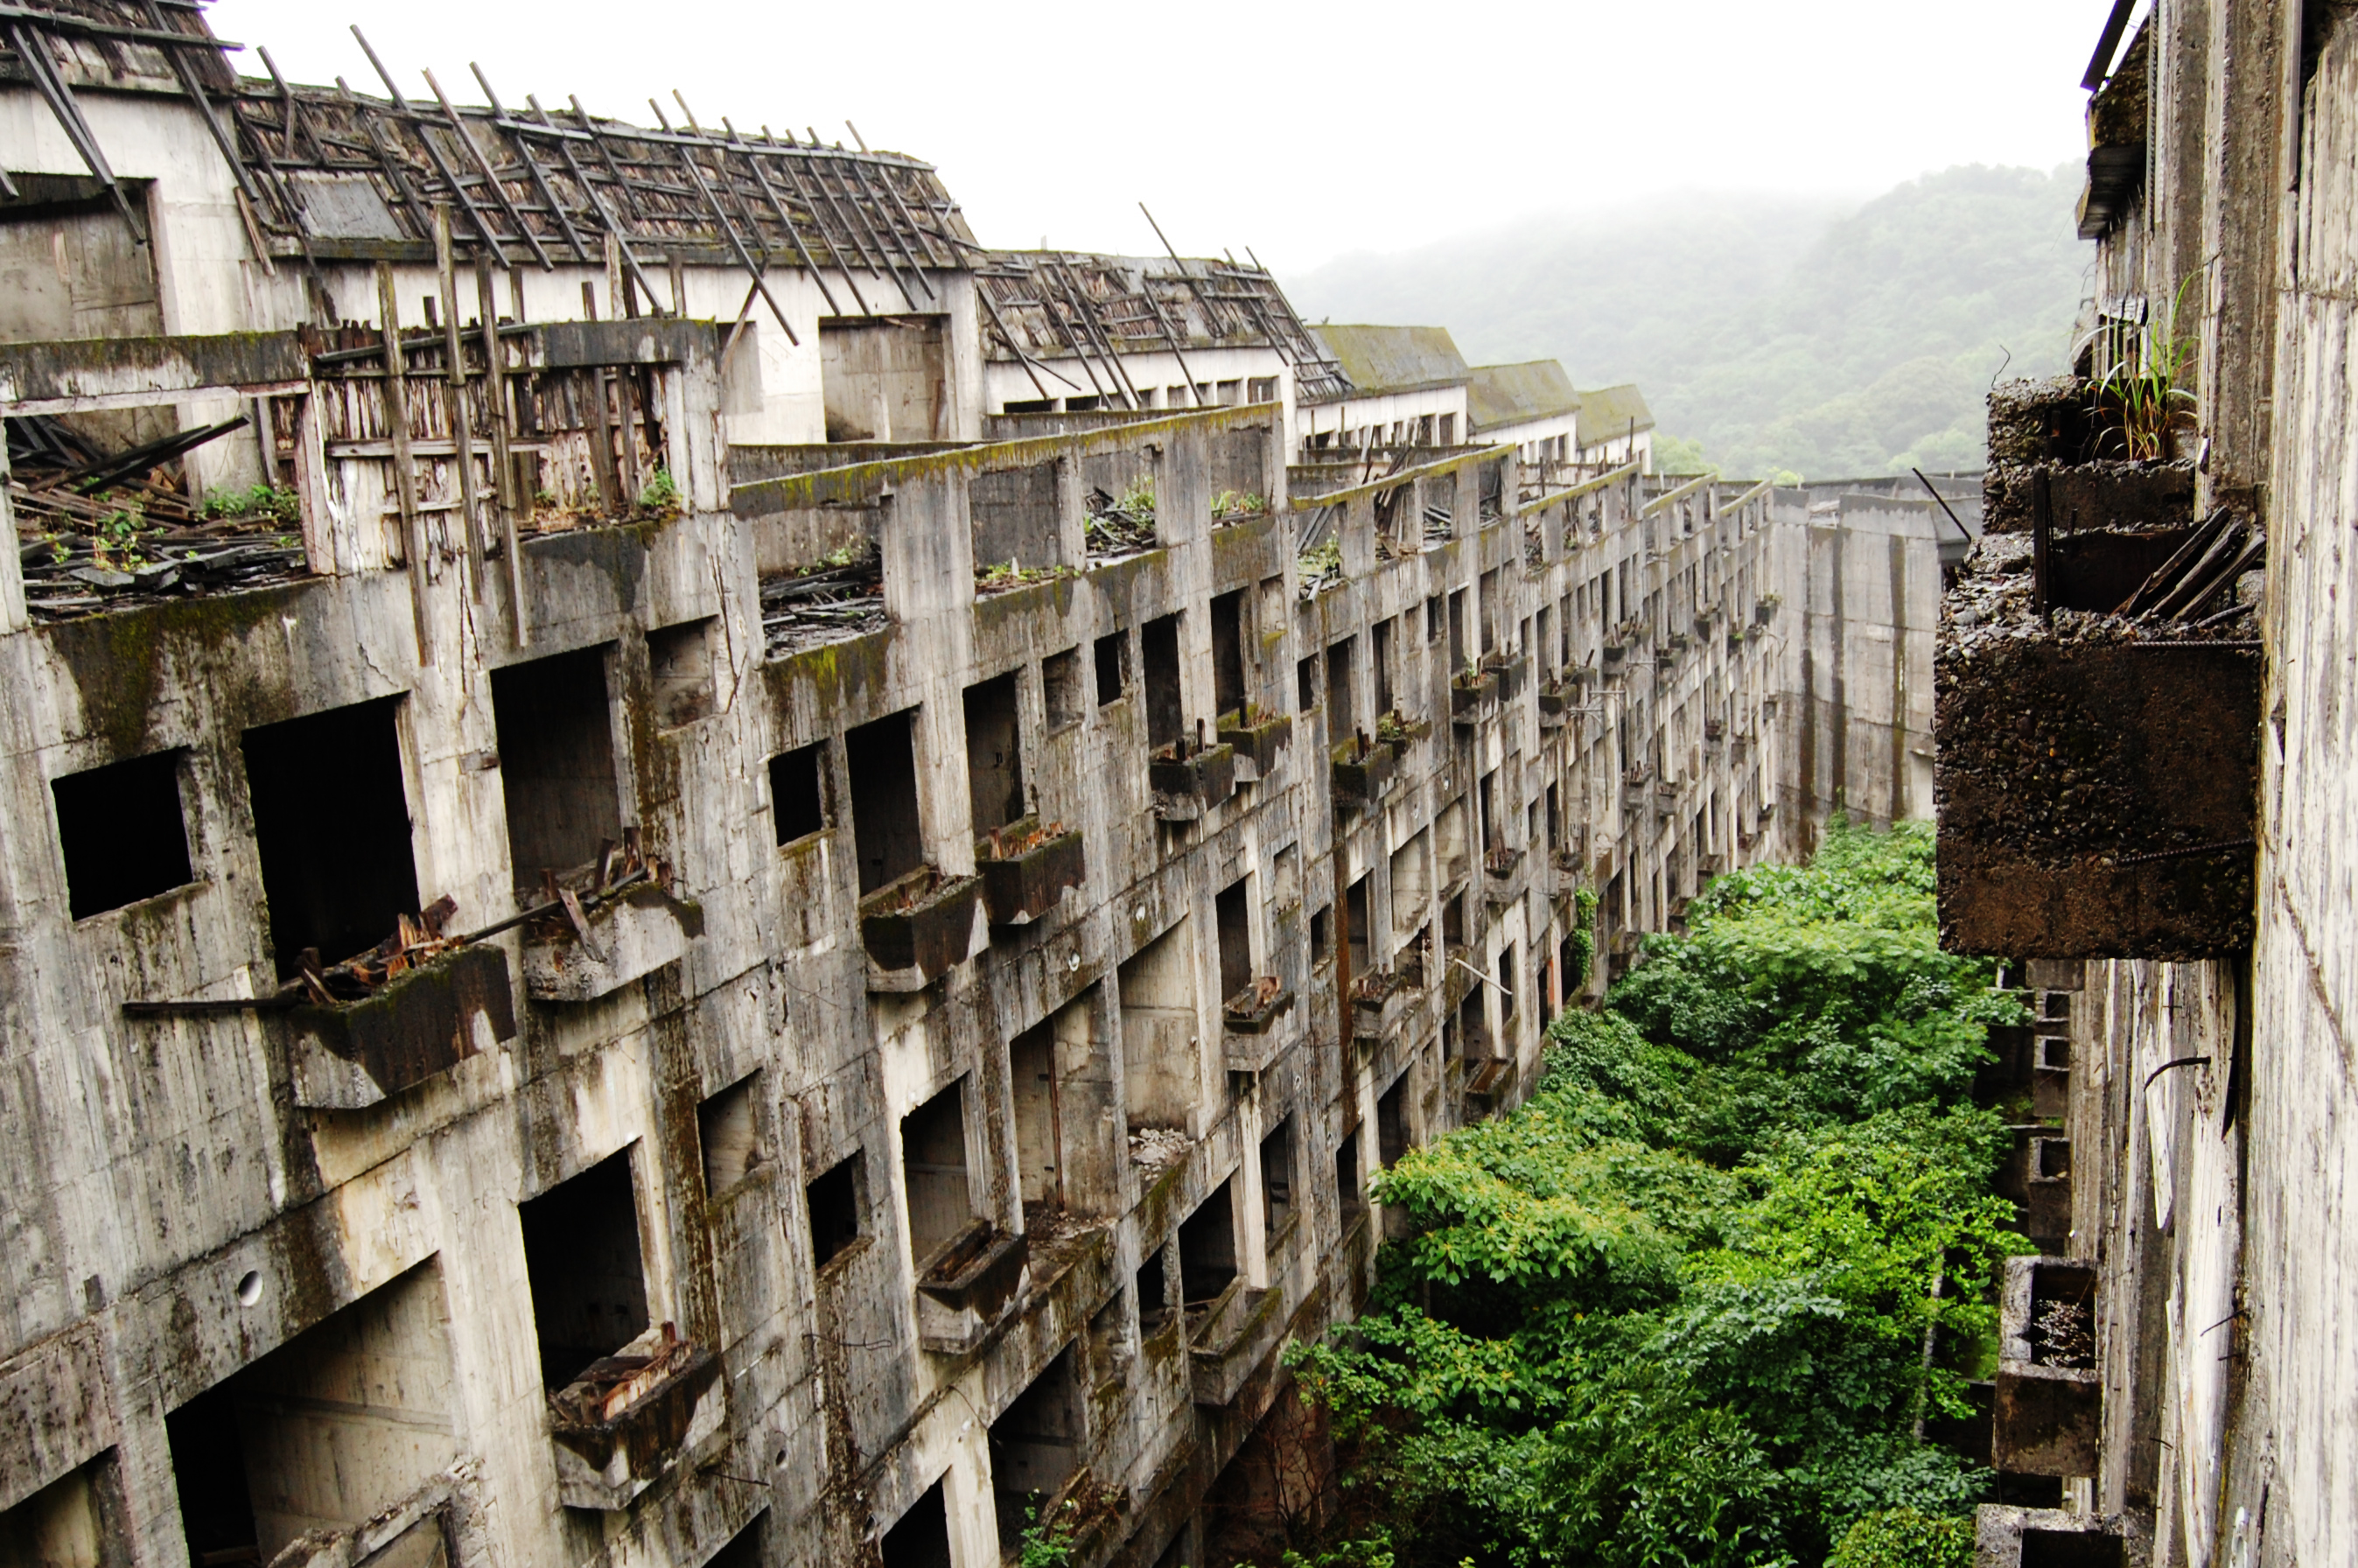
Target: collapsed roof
1040, 305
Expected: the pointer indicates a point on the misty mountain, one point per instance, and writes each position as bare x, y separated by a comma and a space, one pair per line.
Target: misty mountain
1808, 336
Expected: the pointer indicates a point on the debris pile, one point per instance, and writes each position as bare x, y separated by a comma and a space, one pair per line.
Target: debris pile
106, 530
840, 597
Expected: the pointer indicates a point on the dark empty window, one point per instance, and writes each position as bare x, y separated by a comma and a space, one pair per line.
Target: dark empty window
1305, 684
1433, 619
1381, 665
920, 1539
798, 792
581, 1254
1457, 629
1229, 652
834, 1203
932, 1161
1154, 1290
1233, 908
1341, 715
1035, 1446
1391, 1122
994, 754
557, 763
1112, 655
332, 779
1355, 923
1507, 980
1321, 942
729, 1128
1060, 687
1347, 1176
1207, 1251
881, 762
1158, 643
121, 828
1277, 1174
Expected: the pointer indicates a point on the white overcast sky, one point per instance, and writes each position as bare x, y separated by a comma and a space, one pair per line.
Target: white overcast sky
1302, 131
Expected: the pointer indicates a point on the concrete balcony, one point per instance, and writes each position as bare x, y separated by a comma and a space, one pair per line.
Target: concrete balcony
627, 1421
2049, 1391
620, 941
917, 929
349, 1056
969, 1286
1187, 782
1230, 1341
1026, 869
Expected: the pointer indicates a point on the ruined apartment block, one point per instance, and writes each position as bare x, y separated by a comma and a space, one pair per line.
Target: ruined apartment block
2143, 684
702, 938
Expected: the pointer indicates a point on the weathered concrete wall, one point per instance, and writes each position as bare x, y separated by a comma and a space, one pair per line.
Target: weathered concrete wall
1860, 577
2211, 1103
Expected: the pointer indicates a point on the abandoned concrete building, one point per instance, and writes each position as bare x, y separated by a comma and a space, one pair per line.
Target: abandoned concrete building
2145, 772
681, 885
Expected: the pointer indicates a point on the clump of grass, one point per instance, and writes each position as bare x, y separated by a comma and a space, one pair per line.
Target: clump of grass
2143, 398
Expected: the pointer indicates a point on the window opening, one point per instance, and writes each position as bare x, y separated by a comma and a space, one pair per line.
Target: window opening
880, 760
1457, 659
1305, 685
557, 763
1207, 1251
1277, 1176
63, 1525
1035, 1446
1060, 684
994, 754
1161, 1081
1321, 942
1341, 717
1112, 658
680, 664
728, 1131
122, 831
1159, 644
1229, 652
1152, 1285
1032, 1069
1392, 1123
331, 778
1355, 915
920, 1538
934, 1171
834, 1203
324, 1433
798, 792
1347, 1196
581, 1256
1233, 907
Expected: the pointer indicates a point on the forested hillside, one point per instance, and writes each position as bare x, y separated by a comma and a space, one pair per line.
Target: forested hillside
1778, 335
1678, 1307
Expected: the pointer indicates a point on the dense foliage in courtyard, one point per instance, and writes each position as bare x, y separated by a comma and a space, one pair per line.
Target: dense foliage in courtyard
1693, 1303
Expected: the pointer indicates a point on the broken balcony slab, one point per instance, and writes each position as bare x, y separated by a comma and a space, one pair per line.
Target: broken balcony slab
2010, 1537
2097, 775
1026, 867
630, 1417
917, 928
1187, 787
349, 1056
1230, 1341
1258, 738
968, 1287
2049, 1393
623, 940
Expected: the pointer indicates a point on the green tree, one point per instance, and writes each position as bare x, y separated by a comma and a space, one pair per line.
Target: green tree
1676, 1309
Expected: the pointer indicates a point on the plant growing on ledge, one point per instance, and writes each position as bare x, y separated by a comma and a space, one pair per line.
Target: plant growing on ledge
1228, 506
263, 504
2142, 399
1392, 730
659, 501
997, 577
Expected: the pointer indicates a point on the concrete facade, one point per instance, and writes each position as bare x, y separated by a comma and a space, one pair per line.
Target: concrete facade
787, 1015
2211, 1100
